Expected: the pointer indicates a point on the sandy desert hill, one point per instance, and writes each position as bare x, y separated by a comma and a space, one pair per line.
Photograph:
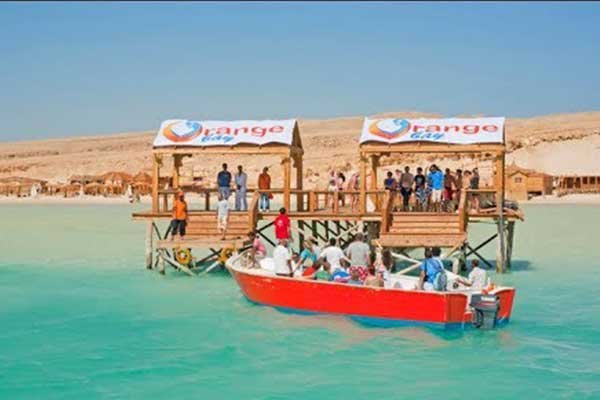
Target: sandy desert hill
557, 144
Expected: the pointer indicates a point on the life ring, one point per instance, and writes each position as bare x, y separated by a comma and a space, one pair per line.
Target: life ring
225, 254
183, 256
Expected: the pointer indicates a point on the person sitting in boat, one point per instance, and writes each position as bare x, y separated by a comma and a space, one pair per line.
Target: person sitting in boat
477, 278
258, 251
307, 257
374, 278
333, 255
358, 252
321, 273
433, 275
354, 278
282, 259
180, 216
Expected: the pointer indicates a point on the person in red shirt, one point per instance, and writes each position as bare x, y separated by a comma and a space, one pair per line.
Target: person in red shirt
283, 226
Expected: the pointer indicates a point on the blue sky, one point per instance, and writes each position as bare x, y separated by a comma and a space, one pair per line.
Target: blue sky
94, 68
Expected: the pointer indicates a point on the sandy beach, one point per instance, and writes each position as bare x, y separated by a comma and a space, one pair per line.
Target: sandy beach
555, 144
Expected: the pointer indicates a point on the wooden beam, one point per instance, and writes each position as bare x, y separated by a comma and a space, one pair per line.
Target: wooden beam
500, 180
177, 162
299, 182
228, 150
424, 147
363, 184
285, 162
156, 162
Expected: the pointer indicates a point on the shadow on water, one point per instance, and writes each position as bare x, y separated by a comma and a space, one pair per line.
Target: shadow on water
520, 265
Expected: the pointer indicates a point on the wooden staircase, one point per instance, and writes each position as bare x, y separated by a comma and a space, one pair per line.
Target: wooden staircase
204, 225
423, 229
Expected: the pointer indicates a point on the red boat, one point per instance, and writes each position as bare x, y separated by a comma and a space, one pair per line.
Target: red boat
384, 307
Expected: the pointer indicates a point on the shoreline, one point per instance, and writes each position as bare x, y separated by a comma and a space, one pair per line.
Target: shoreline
579, 199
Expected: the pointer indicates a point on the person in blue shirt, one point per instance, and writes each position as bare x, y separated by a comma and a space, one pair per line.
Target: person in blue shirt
224, 182
431, 267
390, 183
435, 180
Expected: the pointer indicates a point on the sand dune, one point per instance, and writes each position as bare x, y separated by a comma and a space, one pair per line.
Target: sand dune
557, 144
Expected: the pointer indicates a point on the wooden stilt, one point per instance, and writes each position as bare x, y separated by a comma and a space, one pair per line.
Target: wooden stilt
300, 235
509, 242
161, 262
148, 244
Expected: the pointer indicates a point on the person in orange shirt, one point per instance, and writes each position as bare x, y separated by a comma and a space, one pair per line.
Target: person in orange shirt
180, 216
264, 183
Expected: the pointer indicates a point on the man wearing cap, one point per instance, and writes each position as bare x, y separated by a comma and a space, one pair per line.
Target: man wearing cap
180, 216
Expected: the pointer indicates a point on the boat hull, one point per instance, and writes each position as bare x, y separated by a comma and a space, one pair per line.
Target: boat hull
368, 305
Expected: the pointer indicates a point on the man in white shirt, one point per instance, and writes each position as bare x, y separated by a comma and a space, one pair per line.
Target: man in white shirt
241, 179
222, 215
333, 255
359, 252
282, 259
477, 279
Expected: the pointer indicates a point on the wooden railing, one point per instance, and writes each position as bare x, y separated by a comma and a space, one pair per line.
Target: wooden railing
210, 196
338, 202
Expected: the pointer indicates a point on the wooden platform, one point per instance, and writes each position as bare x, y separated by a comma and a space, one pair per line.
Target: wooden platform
421, 240
202, 242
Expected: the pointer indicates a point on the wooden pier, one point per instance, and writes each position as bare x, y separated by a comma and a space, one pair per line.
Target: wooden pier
325, 214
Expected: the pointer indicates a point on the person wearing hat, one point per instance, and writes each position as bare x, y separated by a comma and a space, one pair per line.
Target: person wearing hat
180, 216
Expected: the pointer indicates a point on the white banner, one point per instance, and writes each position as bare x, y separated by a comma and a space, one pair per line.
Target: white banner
180, 132
449, 130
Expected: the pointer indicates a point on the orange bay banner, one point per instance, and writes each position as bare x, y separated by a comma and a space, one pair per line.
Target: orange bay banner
448, 130
179, 132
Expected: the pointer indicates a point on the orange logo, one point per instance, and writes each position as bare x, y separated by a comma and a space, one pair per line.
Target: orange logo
182, 131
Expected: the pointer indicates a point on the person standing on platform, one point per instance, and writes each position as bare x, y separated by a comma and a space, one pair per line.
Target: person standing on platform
406, 183
283, 226
458, 183
241, 179
224, 182
474, 185
420, 190
264, 183
180, 216
222, 215
436, 183
449, 186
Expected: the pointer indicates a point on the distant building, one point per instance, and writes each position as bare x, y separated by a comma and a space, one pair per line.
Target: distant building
578, 184
523, 184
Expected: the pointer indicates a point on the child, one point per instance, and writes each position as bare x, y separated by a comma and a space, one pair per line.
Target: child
222, 215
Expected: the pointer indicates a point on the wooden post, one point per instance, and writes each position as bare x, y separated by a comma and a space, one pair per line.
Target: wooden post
161, 262
148, 244
156, 161
299, 183
509, 243
177, 158
373, 182
300, 236
286, 182
501, 254
363, 184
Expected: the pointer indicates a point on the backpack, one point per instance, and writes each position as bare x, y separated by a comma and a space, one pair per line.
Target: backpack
440, 282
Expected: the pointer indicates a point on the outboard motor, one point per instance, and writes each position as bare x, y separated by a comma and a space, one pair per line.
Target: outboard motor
485, 310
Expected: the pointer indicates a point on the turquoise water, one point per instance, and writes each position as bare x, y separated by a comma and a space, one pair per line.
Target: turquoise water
81, 318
